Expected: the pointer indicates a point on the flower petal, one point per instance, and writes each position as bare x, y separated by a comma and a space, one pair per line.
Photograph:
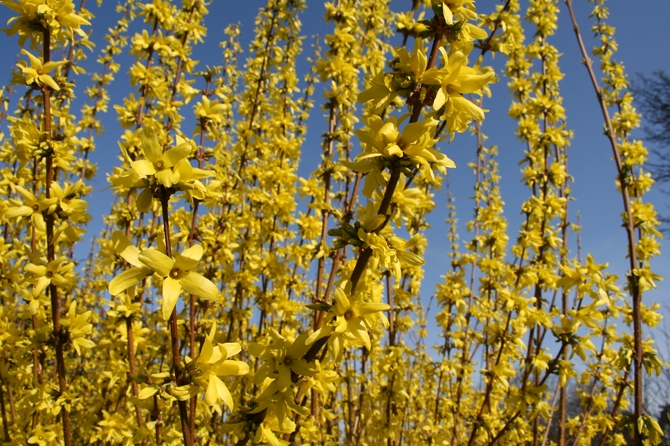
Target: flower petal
299, 347
124, 247
447, 14
200, 286
440, 99
473, 82
38, 222
304, 368
18, 211
466, 107
256, 349
157, 261
176, 154
38, 270
229, 349
205, 352
284, 378
28, 196
144, 200
342, 301
143, 168
359, 333
147, 392
475, 31
232, 367
60, 281
49, 81
34, 61
189, 258
41, 284
365, 309
211, 395
389, 132
152, 149
415, 130
171, 292
224, 393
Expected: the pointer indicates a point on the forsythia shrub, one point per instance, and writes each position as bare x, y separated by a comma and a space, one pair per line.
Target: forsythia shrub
230, 301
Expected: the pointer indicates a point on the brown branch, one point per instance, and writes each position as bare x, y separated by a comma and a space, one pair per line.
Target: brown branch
629, 224
51, 247
174, 329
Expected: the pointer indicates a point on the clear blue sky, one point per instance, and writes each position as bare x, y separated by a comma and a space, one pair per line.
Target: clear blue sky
642, 34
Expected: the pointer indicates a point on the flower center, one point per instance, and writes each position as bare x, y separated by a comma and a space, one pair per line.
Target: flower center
159, 164
349, 314
50, 274
175, 273
288, 361
36, 207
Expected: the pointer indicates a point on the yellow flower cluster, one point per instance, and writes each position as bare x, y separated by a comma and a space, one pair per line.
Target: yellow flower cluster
229, 301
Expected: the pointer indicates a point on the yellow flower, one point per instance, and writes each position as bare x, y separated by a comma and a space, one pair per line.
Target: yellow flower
114, 428
31, 206
454, 80
281, 359
125, 309
207, 111
414, 63
383, 88
160, 164
78, 327
464, 9
212, 363
177, 273
380, 90
265, 433
39, 72
70, 207
383, 139
189, 180
322, 382
279, 405
349, 320
25, 138
42, 437
59, 272
59, 15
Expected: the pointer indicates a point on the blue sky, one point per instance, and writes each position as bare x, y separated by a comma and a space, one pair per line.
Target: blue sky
642, 35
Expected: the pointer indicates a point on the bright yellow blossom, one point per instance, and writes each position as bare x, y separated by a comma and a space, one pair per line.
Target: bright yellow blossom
383, 139
456, 79
281, 359
58, 15
38, 72
159, 164
213, 363
178, 273
278, 405
265, 433
59, 272
78, 327
31, 206
42, 437
349, 320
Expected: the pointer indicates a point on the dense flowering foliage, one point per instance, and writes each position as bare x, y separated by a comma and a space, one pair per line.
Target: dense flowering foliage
231, 301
